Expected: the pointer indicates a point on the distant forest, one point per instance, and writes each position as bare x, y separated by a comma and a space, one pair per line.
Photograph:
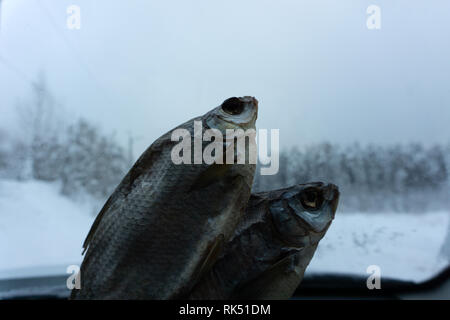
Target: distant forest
52, 147
371, 178
406, 178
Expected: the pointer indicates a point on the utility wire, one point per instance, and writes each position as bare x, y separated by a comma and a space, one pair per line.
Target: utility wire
16, 70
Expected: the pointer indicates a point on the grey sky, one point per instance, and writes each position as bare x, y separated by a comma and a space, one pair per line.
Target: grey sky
318, 72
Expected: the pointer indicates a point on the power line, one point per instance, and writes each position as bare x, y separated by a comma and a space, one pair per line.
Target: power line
16, 70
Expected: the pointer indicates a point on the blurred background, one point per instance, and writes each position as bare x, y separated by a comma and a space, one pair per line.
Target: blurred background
366, 109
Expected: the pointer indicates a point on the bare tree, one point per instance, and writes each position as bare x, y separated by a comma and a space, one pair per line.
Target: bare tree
41, 128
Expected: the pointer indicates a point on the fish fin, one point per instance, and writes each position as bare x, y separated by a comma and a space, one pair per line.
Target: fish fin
215, 248
279, 281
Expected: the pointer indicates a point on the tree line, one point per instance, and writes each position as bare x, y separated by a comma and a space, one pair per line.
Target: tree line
371, 178
48, 147
404, 177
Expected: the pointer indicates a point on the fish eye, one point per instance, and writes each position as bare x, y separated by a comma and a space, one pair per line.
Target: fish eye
233, 106
311, 199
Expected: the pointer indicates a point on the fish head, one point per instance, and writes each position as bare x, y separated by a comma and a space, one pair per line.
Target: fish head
304, 212
234, 113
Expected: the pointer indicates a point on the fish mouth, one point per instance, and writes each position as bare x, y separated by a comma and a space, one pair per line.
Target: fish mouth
255, 103
335, 201
331, 195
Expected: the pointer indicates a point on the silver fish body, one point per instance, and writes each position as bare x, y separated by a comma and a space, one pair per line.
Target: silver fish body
165, 223
272, 245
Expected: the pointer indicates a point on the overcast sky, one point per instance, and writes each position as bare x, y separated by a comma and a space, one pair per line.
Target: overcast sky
319, 73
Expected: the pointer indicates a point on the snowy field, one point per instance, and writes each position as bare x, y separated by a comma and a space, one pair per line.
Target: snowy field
404, 246
41, 233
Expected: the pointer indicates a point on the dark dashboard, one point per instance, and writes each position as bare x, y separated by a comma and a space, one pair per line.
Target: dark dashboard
313, 287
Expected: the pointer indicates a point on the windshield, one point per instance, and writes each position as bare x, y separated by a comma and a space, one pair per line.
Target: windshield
358, 93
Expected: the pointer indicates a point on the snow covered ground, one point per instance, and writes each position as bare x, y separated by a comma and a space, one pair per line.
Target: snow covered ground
41, 233
404, 246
